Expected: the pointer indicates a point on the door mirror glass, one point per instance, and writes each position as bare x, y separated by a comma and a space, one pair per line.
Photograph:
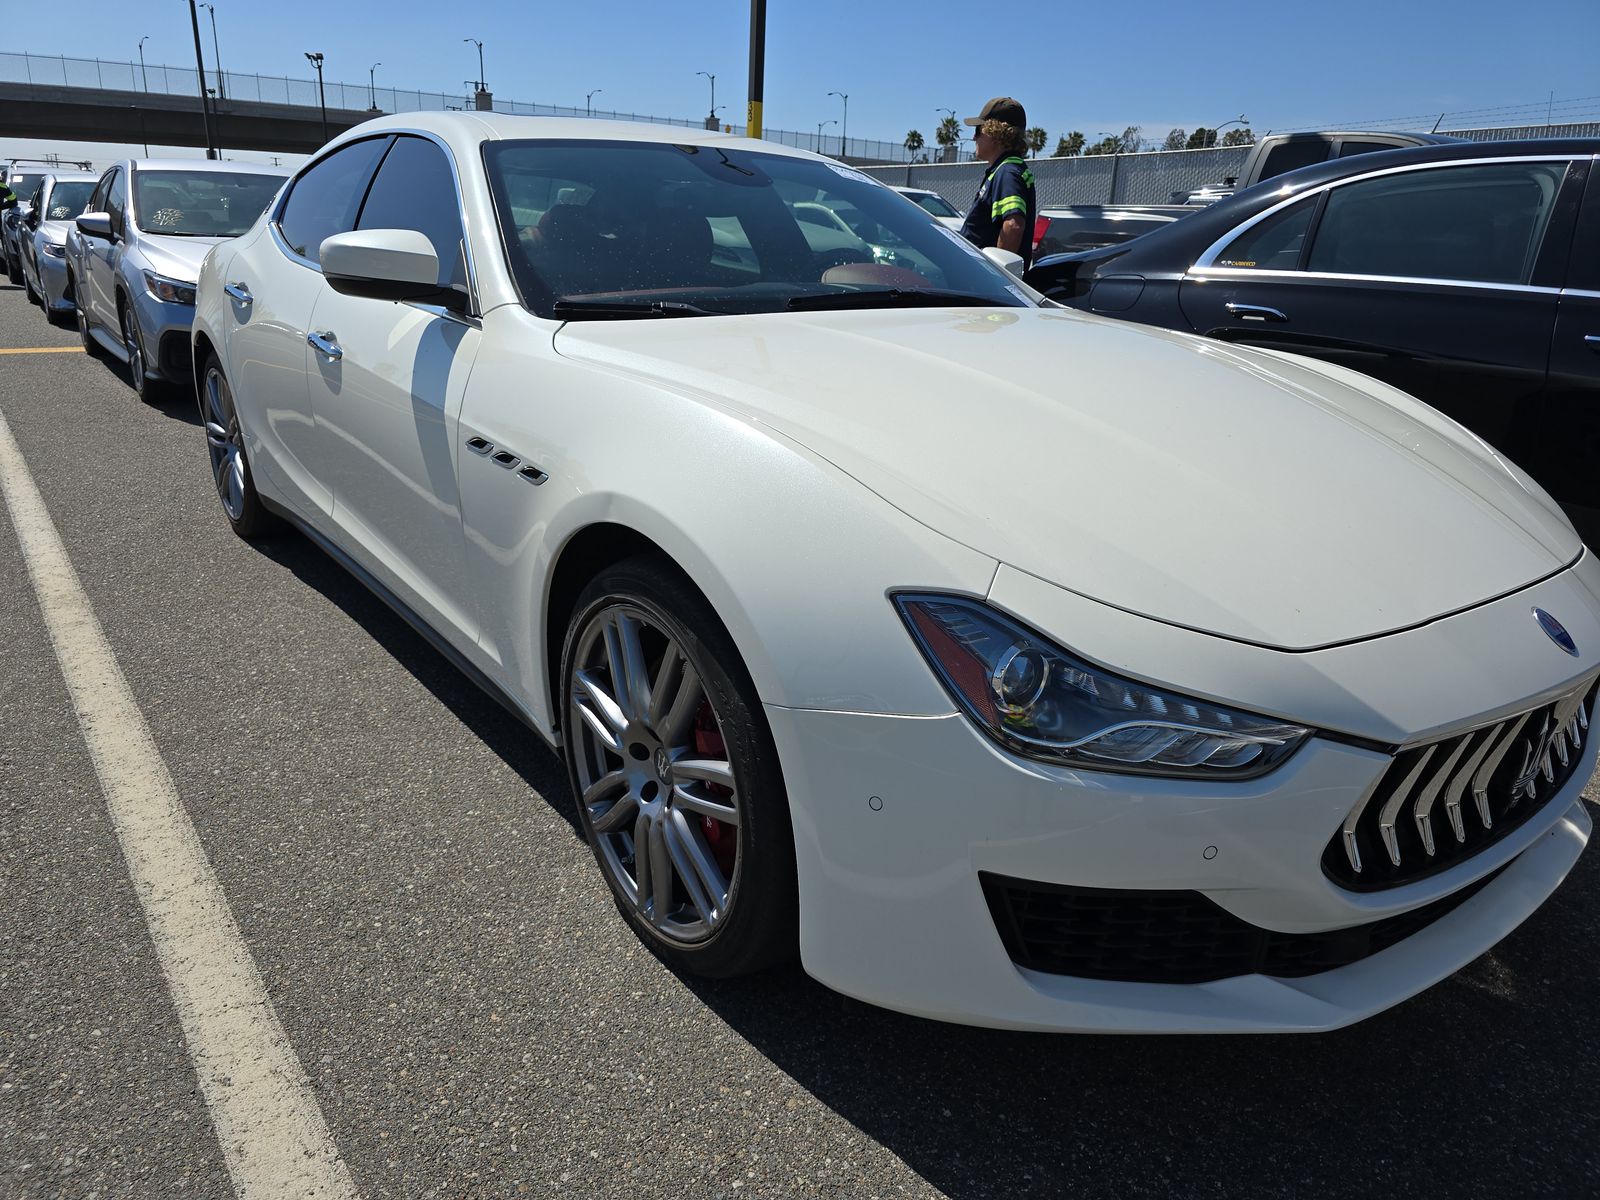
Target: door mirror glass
95, 224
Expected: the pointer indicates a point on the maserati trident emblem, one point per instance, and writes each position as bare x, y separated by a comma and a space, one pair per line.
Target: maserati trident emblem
663, 765
1556, 630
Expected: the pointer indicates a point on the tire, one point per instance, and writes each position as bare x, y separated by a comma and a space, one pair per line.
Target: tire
14, 269
91, 347
150, 391
230, 469
729, 905
33, 296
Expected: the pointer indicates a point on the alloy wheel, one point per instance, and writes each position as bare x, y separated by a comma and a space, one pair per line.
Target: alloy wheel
130, 339
656, 785
224, 443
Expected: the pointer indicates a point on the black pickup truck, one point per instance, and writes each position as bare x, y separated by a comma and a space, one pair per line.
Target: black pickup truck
1280, 153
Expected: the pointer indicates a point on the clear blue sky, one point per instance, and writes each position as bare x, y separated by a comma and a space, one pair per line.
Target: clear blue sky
1100, 67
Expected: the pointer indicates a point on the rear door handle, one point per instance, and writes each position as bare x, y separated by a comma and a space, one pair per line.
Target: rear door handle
1592, 341
240, 293
1255, 312
325, 343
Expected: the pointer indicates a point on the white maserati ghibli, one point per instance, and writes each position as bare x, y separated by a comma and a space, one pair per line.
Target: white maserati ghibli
1008, 665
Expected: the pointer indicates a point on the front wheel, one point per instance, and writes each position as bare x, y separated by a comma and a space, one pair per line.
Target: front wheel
230, 469
149, 390
675, 773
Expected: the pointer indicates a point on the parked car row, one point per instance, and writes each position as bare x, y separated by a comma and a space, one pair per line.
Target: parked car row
1007, 664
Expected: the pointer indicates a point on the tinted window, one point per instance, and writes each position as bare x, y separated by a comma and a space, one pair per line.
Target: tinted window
97, 202
1291, 156
67, 200
23, 185
1273, 244
326, 198
937, 205
1346, 149
1482, 223
117, 201
414, 189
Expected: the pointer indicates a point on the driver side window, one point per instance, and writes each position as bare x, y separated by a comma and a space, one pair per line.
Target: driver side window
117, 201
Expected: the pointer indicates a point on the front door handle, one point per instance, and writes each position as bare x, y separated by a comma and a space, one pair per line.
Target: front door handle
240, 293
1592, 341
1254, 312
325, 343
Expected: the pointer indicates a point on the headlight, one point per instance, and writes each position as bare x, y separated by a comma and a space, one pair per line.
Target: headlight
1037, 700
53, 249
171, 291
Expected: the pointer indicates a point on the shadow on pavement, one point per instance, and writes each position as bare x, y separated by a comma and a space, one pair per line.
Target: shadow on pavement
517, 745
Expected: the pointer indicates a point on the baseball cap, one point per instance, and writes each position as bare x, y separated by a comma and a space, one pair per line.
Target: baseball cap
1001, 108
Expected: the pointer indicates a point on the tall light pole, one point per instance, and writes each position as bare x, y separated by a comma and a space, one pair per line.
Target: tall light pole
588, 98
216, 52
844, 128
713, 80
200, 72
372, 87
481, 85
821, 125
143, 74
315, 59
758, 67
1241, 119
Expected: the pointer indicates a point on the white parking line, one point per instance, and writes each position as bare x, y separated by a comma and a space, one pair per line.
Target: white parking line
274, 1139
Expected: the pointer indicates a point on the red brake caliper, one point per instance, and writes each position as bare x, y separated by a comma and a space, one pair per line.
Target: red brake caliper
723, 840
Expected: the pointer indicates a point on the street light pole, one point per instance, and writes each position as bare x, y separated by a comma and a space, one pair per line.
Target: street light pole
372, 87
588, 106
200, 68
143, 74
216, 51
821, 125
315, 59
482, 86
1241, 119
758, 67
844, 129
713, 80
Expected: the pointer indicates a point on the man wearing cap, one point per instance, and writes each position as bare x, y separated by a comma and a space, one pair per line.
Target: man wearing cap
1003, 213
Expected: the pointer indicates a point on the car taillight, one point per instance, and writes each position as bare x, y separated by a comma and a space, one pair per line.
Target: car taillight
1040, 224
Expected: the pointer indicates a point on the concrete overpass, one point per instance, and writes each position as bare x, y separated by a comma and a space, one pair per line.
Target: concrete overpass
83, 114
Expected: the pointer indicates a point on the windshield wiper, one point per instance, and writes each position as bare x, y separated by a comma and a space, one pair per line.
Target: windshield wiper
622, 310
893, 298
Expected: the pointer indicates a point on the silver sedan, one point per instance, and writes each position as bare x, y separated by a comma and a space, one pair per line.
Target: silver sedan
43, 239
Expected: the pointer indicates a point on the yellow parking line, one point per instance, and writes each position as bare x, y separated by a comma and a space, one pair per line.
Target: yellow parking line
43, 350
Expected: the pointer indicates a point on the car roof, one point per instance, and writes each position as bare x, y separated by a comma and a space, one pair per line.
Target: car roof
205, 164
74, 176
485, 126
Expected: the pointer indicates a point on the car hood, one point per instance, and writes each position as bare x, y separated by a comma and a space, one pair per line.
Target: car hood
176, 257
1257, 496
55, 231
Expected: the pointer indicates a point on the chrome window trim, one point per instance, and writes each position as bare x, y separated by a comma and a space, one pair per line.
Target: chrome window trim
1206, 261
1201, 274
1582, 293
455, 175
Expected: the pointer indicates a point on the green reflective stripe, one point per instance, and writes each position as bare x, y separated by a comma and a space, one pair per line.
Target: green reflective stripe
1027, 177
1021, 162
1009, 204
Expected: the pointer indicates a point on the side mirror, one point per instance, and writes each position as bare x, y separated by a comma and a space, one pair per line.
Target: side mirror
1011, 263
387, 264
95, 224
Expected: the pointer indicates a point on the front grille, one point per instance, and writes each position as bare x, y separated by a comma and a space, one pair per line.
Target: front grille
1440, 804
1175, 937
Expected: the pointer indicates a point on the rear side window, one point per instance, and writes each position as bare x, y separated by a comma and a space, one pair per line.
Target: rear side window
117, 201
1349, 148
415, 189
1481, 223
97, 202
326, 198
1273, 244
1291, 156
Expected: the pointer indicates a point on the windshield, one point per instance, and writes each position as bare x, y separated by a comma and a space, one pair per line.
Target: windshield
937, 205
67, 200
23, 185
200, 203
637, 228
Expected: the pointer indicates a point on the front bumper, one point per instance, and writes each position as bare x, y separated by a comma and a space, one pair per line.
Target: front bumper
53, 283
165, 329
896, 818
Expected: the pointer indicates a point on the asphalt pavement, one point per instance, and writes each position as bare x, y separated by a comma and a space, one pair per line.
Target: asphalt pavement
402, 860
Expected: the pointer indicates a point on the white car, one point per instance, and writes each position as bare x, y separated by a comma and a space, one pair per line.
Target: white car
1170, 687
935, 205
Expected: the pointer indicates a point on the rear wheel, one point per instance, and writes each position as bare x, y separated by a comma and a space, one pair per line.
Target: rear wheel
675, 773
230, 469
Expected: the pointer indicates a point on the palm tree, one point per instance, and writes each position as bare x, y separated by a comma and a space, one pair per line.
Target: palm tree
948, 135
914, 142
1070, 145
1035, 139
